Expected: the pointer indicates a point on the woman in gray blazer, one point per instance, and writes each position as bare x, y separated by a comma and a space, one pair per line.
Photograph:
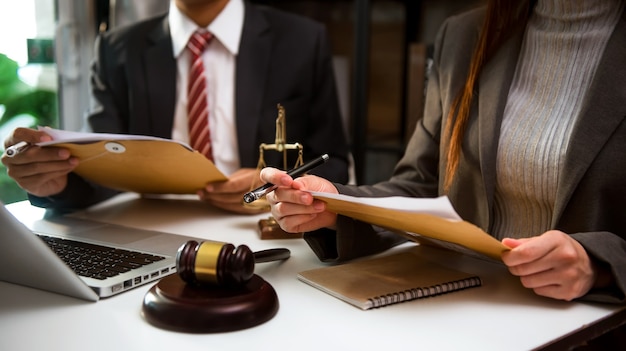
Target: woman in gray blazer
524, 130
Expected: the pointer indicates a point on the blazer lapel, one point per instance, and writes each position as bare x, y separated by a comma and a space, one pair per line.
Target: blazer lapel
604, 109
160, 73
252, 68
493, 88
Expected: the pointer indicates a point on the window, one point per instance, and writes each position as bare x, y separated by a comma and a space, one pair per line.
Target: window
28, 77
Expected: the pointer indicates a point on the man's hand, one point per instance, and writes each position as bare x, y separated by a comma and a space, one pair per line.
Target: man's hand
39, 171
228, 195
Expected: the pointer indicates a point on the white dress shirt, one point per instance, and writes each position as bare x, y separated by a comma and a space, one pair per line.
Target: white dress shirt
219, 65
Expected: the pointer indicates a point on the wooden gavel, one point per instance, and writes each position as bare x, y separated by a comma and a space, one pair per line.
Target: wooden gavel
221, 264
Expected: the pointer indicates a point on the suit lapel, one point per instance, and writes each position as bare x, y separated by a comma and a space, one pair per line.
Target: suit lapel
252, 68
493, 88
160, 73
603, 110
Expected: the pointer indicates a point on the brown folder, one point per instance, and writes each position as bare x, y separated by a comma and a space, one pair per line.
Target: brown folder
413, 218
136, 163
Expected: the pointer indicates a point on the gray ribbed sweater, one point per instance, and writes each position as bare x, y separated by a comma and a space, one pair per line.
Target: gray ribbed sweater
562, 46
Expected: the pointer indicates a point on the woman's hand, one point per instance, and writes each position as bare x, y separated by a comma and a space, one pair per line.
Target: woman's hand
293, 207
553, 265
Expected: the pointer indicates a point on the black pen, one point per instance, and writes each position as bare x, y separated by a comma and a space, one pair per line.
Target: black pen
296, 172
16, 149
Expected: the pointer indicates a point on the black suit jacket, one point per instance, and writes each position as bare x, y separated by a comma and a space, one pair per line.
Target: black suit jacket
283, 58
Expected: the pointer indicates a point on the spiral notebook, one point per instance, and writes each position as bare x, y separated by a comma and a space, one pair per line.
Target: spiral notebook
387, 280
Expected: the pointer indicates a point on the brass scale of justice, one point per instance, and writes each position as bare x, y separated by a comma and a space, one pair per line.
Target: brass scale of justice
269, 228
215, 288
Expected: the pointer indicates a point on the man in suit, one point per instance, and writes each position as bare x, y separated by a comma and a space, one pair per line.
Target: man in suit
258, 57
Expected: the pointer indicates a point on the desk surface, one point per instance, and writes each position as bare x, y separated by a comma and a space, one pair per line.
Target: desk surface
499, 315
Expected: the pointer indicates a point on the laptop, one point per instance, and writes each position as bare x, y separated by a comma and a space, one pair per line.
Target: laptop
28, 255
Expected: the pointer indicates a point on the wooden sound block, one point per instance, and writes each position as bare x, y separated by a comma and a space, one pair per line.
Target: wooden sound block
175, 305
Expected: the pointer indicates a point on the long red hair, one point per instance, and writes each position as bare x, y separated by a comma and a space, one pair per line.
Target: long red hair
502, 18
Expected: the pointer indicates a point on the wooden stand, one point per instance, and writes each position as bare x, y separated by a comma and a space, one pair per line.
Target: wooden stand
269, 229
175, 305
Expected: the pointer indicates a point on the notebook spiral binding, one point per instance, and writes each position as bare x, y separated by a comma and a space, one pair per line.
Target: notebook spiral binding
429, 291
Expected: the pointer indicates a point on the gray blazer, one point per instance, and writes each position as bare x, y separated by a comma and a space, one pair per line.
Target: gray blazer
283, 58
591, 195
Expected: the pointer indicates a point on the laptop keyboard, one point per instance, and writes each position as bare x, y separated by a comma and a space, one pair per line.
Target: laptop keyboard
97, 261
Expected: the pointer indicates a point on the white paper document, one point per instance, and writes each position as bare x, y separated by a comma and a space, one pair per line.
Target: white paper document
439, 206
66, 136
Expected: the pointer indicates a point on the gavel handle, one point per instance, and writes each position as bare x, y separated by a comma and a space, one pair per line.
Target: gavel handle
271, 255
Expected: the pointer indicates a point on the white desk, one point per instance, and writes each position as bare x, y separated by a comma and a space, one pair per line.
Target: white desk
500, 315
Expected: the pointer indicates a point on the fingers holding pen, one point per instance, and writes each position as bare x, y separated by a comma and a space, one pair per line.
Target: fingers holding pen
301, 215
39, 171
275, 176
293, 206
30, 159
26, 135
33, 155
20, 147
288, 190
42, 178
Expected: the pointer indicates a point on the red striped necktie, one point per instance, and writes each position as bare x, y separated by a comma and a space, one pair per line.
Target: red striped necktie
197, 106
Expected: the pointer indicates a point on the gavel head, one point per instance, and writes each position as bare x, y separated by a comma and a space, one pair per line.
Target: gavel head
214, 263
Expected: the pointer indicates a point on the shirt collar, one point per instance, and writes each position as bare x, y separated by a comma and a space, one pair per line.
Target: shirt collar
226, 27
